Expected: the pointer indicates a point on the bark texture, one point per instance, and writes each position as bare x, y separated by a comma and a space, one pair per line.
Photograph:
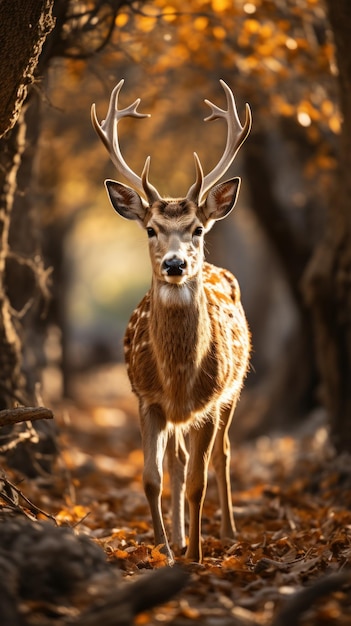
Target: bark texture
10, 345
24, 26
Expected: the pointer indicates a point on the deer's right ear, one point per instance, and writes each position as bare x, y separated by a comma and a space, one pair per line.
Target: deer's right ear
125, 201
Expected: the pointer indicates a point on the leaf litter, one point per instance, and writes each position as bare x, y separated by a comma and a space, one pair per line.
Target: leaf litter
290, 561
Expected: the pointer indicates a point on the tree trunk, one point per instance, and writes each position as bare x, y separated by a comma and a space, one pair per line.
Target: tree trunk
327, 281
12, 383
26, 277
24, 26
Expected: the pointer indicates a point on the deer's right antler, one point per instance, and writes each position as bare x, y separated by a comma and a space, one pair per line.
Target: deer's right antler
108, 133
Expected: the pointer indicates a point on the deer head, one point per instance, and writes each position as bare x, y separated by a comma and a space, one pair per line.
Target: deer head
175, 227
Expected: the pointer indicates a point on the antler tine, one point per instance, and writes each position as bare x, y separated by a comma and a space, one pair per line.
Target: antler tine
194, 191
108, 133
236, 135
150, 191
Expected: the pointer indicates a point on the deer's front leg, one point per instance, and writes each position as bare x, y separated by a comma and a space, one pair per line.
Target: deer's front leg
200, 446
177, 465
154, 439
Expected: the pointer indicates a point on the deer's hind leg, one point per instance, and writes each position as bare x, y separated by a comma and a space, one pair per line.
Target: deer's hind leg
221, 464
200, 447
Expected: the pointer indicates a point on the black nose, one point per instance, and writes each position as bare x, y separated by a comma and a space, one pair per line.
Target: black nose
174, 266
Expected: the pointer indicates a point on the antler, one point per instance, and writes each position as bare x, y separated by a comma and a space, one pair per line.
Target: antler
236, 136
108, 133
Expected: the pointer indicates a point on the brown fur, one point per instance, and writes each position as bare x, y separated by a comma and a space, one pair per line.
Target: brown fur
190, 347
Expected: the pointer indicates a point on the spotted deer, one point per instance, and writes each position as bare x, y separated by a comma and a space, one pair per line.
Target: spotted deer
187, 343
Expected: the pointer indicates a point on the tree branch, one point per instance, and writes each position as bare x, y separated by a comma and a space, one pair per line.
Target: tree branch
8, 417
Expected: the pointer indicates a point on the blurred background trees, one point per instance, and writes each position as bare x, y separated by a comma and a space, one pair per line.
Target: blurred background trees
287, 242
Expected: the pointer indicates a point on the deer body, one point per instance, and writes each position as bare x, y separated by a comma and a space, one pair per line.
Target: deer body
179, 356
187, 343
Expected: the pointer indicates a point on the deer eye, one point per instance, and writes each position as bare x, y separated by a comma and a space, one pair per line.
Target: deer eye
198, 231
151, 232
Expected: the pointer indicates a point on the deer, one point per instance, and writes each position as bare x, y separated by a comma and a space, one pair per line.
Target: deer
187, 344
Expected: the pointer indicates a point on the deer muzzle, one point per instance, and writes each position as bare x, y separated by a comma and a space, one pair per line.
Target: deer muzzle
174, 266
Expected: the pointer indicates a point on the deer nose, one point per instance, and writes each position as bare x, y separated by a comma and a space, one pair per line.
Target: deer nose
174, 266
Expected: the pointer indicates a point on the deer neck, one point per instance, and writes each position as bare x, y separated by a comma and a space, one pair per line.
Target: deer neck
180, 323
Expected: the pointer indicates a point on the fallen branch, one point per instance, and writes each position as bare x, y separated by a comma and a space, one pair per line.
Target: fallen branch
9, 417
301, 601
124, 604
7, 488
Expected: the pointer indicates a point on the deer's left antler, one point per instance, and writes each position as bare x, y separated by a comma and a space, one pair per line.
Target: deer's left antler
236, 135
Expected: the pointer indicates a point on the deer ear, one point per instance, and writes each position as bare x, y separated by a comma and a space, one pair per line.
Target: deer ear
125, 201
221, 199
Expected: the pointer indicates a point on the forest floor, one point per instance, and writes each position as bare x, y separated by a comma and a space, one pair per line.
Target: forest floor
292, 504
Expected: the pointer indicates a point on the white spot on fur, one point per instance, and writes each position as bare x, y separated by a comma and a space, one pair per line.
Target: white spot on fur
175, 295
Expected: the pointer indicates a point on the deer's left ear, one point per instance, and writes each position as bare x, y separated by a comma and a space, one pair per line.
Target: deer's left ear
221, 199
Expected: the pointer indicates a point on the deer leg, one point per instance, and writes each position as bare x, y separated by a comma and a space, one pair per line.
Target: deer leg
177, 465
221, 464
154, 439
200, 446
